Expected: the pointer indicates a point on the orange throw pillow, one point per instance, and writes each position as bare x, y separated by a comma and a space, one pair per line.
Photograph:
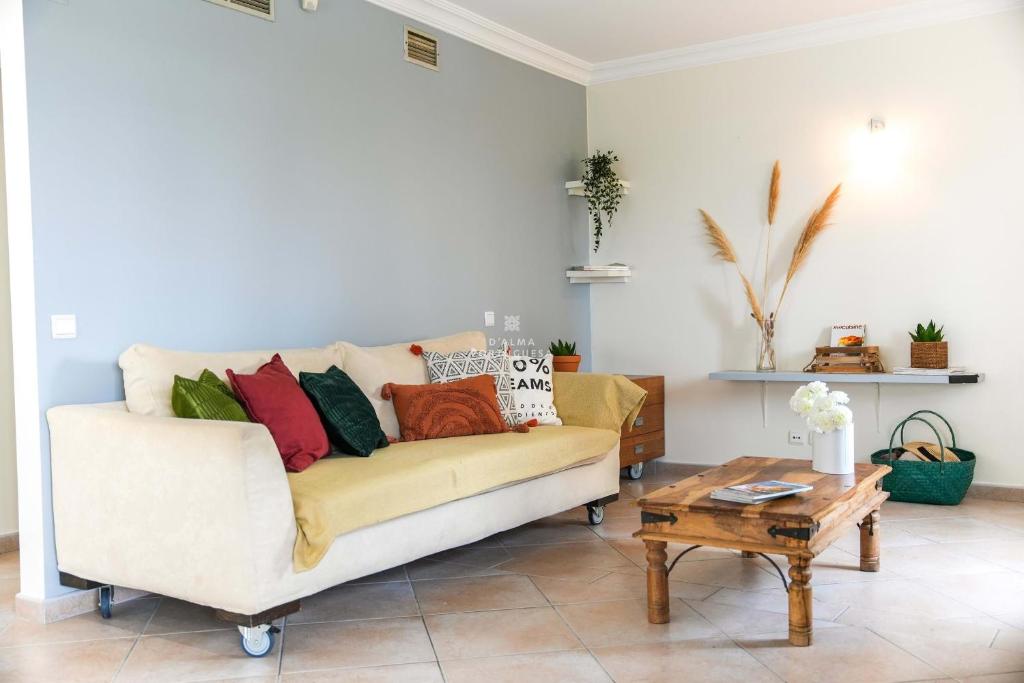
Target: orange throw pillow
435, 411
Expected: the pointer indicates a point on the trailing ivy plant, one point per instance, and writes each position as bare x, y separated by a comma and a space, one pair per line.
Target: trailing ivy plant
603, 190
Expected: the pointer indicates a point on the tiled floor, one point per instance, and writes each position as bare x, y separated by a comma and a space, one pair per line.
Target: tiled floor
560, 601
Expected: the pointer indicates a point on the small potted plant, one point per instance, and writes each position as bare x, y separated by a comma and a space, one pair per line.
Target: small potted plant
565, 358
927, 348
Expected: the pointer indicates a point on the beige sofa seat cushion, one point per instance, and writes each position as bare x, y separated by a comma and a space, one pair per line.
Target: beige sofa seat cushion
371, 367
340, 494
149, 370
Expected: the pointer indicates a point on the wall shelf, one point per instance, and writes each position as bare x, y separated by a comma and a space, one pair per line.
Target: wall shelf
876, 378
592, 277
575, 188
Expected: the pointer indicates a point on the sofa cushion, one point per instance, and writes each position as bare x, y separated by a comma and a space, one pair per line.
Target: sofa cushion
338, 495
449, 367
206, 399
272, 397
437, 411
348, 417
533, 390
149, 370
374, 366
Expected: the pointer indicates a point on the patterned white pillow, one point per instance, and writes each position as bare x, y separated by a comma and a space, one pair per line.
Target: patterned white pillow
449, 367
532, 391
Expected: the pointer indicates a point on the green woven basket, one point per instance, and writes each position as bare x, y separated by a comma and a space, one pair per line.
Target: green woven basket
916, 481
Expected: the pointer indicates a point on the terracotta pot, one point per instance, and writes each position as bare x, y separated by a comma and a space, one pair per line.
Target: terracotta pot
933, 355
567, 363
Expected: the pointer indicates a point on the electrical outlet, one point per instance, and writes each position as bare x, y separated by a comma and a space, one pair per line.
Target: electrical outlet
797, 438
488, 318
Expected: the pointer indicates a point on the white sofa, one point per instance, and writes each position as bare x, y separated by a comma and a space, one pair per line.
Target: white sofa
202, 511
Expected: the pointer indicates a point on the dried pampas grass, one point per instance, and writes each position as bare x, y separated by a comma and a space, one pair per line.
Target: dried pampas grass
816, 224
724, 251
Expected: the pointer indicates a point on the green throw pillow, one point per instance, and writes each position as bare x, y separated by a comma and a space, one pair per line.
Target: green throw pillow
209, 398
350, 421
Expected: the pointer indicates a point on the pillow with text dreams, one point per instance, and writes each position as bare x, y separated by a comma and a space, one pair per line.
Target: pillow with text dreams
349, 419
449, 367
532, 391
272, 396
435, 411
207, 398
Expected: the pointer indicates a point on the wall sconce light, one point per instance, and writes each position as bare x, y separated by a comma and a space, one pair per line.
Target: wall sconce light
876, 125
876, 154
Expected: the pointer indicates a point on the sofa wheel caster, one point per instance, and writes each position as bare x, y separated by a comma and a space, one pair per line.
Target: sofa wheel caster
635, 471
257, 641
106, 600
595, 514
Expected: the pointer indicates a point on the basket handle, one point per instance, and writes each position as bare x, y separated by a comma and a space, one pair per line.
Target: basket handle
952, 434
899, 428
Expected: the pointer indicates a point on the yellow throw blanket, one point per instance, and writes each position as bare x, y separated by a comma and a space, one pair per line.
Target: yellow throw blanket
341, 494
595, 400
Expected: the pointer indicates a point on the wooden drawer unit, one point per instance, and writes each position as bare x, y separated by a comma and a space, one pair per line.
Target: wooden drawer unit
647, 440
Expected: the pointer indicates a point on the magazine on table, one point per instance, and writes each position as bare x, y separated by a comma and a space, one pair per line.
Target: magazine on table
759, 491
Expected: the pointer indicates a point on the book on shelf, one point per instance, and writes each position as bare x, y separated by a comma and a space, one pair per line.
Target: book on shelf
940, 372
759, 491
848, 335
610, 266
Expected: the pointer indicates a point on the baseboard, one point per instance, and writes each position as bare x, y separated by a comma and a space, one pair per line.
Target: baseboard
9, 542
1010, 494
68, 605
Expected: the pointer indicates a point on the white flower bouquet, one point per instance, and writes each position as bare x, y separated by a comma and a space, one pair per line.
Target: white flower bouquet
823, 410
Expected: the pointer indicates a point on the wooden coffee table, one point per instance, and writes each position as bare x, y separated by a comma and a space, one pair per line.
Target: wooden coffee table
799, 527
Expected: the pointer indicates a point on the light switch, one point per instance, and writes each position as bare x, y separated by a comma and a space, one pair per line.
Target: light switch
63, 326
488, 318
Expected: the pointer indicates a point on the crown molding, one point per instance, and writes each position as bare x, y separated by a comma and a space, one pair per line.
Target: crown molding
458, 21
841, 29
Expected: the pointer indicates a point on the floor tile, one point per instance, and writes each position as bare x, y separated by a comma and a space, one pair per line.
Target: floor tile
1005, 554
600, 624
567, 560
704, 660
548, 667
739, 621
772, 600
838, 655
478, 593
733, 572
64, 662
548, 531
993, 593
900, 596
459, 562
339, 644
358, 601
961, 649
895, 511
128, 621
1015, 677
956, 529
198, 656
425, 672
834, 566
891, 536
504, 632
942, 559
175, 616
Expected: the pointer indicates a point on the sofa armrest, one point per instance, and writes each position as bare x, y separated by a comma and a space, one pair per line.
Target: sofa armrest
196, 509
597, 400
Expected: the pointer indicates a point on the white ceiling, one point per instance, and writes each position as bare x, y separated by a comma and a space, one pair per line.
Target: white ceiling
604, 30
596, 41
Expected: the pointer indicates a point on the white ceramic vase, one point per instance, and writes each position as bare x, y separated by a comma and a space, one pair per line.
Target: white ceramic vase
832, 452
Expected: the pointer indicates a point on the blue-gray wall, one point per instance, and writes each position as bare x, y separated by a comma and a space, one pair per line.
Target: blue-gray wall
203, 179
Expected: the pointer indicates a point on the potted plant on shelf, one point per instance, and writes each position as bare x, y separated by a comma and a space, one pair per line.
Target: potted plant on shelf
927, 348
564, 356
603, 190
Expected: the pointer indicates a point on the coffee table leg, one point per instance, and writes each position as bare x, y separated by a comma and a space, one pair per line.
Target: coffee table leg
870, 542
657, 582
800, 614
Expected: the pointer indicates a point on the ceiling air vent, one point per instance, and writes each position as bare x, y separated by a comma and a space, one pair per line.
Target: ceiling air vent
420, 48
258, 8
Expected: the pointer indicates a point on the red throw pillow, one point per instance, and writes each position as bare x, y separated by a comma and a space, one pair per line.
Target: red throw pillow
434, 411
273, 397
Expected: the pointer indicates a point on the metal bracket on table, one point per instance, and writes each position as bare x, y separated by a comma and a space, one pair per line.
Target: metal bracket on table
655, 518
799, 533
778, 569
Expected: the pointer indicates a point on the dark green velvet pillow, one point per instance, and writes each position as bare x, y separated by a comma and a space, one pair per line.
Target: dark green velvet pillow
349, 419
209, 398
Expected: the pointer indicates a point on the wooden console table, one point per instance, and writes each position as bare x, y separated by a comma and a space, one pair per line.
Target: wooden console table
799, 526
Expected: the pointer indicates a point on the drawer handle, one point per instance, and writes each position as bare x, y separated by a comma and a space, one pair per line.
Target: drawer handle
638, 449
639, 421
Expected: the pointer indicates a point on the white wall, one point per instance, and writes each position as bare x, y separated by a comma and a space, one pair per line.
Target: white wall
939, 233
8, 473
